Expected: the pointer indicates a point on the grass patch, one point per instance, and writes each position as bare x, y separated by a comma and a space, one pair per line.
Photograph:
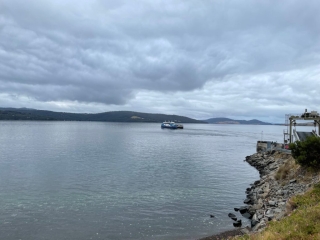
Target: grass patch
302, 223
283, 172
287, 170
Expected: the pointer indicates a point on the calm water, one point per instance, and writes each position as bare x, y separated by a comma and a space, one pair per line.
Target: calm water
88, 180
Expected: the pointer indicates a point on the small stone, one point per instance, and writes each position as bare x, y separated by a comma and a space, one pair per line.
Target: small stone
270, 217
272, 203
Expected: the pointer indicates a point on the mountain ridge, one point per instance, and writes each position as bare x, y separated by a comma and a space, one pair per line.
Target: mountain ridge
113, 116
221, 120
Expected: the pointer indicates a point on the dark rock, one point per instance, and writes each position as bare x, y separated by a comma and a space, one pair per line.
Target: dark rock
212, 216
247, 215
251, 210
250, 196
238, 223
254, 222
270, 217
236, 209
231, 215
243, 209
247, 201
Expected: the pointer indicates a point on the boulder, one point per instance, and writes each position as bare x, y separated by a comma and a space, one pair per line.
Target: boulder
272, 203
237, 223
254, 222
259, 226
247, 215
243, 209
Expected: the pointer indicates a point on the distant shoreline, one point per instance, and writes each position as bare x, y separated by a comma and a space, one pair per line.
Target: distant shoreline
24, 114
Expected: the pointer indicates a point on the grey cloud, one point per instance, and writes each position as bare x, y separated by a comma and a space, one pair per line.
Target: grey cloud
107, 51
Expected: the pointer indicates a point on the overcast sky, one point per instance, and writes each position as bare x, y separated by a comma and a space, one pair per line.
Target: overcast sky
201, 59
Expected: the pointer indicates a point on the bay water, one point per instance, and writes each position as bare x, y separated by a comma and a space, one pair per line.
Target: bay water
98, 180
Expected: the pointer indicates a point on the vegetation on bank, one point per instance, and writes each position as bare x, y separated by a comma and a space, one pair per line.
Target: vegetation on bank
286, 170
303, 211
307, 153
302, 223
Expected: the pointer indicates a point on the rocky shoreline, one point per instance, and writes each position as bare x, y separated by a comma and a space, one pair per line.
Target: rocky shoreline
267, 198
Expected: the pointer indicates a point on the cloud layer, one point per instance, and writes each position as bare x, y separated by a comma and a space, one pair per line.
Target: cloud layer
213, 57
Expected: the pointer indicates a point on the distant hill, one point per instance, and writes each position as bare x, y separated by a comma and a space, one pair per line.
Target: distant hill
232, 121
118, 116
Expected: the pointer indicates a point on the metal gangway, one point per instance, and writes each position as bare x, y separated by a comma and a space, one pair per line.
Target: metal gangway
302, 136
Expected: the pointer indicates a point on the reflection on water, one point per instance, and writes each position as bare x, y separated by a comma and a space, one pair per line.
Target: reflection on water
87, 180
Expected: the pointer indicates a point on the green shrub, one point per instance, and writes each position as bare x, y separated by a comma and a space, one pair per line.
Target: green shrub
307, 153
